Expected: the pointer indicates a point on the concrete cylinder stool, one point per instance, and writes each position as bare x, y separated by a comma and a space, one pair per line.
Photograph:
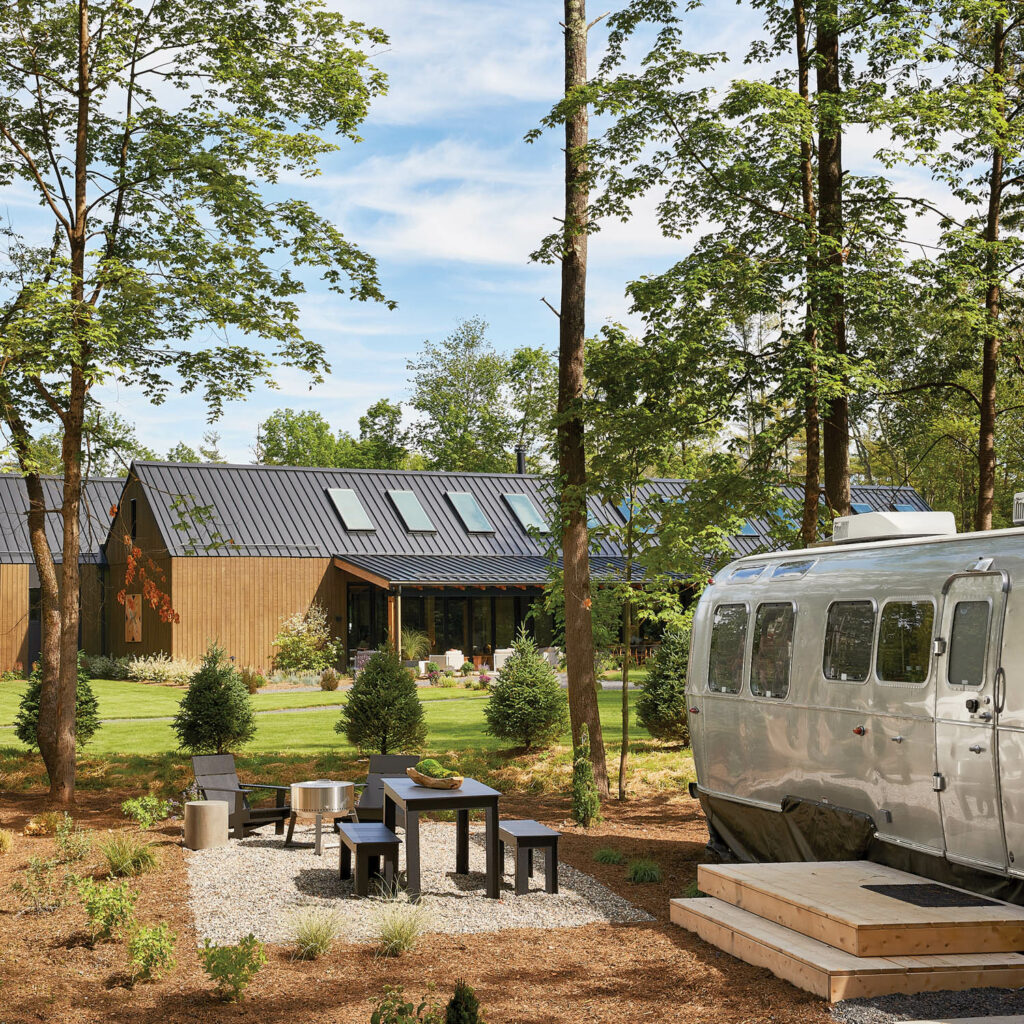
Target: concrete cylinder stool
206, 824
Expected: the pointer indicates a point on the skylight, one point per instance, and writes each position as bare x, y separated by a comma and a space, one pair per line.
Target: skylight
526, 512
861, 507
470, 512
351, 510
413, 515
748, 530
628, 512
903, 508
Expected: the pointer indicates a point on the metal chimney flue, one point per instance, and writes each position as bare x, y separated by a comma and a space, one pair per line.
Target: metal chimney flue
521, 459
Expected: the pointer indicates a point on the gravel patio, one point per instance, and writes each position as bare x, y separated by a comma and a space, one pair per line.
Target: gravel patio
257, 884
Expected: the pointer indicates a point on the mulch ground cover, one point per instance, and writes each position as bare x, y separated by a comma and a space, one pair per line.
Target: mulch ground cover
614, 973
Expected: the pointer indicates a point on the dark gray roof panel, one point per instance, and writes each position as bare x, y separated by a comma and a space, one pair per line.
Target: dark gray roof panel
99, 496
287, 511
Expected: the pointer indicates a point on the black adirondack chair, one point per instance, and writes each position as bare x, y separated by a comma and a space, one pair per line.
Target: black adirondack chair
217, 780
370, 805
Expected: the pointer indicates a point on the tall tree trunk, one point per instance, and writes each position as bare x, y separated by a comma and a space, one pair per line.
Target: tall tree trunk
812, 421
579, 637
991, 340
627, 626
831, 291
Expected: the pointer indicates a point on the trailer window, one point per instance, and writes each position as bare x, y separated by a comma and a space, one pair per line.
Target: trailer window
849, 635
905, 641
968, 641
772, 654
728, 644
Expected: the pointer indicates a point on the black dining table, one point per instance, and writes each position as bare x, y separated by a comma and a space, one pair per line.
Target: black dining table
414, 799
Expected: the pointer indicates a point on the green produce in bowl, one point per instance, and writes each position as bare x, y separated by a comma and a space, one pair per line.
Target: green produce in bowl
433, 770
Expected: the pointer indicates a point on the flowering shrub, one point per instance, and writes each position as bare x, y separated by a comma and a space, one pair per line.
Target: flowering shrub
160, 668
304, 642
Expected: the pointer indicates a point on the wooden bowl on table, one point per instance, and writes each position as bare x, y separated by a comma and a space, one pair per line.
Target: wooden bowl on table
452, 782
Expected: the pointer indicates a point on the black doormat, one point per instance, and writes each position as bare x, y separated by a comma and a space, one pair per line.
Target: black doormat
928, 894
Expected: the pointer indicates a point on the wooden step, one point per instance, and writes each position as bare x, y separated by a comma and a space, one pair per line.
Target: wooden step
834, 974
828, 901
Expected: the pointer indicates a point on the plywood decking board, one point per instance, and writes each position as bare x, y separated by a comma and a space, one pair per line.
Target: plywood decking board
834, 974
827, 901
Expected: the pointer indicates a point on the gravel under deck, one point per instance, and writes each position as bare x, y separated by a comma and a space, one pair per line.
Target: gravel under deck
256, 884
975, 1002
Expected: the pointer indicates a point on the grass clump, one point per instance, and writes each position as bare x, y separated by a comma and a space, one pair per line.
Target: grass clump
314, 932
6, 840
693, 891
151, 951
108, 906
609, 855
127, 856
231, 968
399, 925
643, 870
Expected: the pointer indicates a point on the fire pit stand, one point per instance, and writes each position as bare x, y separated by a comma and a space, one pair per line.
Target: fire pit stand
320, 798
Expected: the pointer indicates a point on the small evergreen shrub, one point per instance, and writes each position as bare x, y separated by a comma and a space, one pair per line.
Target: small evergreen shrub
73, 842
252, 680
383, 712
463, 1007
216, 713
45, 885
661, 706
468, 668
304, 642
87, 717
146, 810
6, 840
399, 925
127, 856
329, 679
231, 968
526, 704
394, 1008
314, 932
609, 855
643, 870
102, 666
151, 951
108, 906
586, 802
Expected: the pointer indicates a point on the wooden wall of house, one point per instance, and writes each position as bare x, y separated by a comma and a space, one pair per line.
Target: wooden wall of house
14, 581
92, 607
240, 601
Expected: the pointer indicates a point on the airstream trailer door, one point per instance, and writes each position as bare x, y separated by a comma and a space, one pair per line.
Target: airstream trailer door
968, 648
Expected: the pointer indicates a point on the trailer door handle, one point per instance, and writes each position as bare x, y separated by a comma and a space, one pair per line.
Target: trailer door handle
975, 748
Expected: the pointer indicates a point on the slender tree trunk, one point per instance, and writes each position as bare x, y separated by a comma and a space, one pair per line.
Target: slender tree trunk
991, 340
627, 625
812, 416
831, 291
579, 637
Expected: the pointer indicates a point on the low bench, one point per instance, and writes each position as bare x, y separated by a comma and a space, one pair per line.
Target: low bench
524, 837
369, 842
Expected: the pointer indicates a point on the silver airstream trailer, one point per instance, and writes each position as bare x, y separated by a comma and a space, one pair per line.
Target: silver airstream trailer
865, 699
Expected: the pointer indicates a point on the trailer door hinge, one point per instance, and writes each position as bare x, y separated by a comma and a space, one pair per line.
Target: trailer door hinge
938, 782
939, 646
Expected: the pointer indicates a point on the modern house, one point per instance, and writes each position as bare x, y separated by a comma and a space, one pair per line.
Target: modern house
19, 579
238, 548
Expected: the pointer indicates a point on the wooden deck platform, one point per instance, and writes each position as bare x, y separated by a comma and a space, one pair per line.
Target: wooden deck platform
863, 909
835, 974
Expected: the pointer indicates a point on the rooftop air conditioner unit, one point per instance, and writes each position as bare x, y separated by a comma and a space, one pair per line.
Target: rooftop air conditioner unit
1018, 509
892, 525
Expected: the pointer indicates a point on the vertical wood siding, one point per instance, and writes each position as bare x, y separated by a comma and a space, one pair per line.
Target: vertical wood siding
13, 617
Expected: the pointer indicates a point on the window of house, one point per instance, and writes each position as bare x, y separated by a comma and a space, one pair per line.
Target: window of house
849, 637
526, 512
771, 657
351, 510
900, 507
968, 643
905, 641
749, 530
412, 512
728, 646
133, 516
470, 512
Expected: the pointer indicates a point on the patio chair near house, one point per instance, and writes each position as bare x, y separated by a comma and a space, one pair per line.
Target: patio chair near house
217, 780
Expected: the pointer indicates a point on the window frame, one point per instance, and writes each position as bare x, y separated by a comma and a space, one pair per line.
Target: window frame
905, 599
747, 573
370, 526
454, 499
874, 640
432, 528
778, 574
969, 687
792, 652
745, 664
542, 527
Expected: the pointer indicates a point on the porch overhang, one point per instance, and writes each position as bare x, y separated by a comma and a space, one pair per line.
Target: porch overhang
388, 571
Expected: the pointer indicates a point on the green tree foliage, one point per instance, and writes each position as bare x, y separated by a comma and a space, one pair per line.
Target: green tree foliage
383, 712
586, 802
109, 446
383, 444
182, 452
661, 707
463, 1007
87, 715
216, 712
148, 137
290, 438
527, 704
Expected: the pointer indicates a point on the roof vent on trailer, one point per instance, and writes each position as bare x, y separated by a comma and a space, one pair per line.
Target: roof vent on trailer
1018, 509
892, 525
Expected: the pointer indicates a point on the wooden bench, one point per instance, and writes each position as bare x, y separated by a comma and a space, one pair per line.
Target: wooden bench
524, 837
369, 842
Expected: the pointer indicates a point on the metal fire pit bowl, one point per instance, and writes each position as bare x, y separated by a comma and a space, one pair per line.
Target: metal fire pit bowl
323, 796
